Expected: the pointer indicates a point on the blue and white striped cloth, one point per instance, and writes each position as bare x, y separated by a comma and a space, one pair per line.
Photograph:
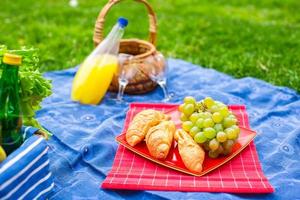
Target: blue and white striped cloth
25, 173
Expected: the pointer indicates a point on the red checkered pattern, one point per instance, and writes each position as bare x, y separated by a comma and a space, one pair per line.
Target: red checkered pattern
242, 174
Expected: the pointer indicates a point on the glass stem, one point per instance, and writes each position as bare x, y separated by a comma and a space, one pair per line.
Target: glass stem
122, 86
163, 85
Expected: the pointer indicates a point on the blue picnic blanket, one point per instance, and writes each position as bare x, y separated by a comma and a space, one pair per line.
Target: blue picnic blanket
83, 147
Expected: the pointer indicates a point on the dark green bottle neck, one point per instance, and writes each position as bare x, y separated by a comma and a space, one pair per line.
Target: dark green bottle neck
10, 72
10, 69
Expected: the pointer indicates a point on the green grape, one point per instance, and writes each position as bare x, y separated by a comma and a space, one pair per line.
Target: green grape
200, 138
233, 118
202, 115
213, 154
228, 146
221, 136
187, 125
236, 129
220, 104
218, 127
235, 121
205, 145
226, 152
220, 150
214, 108
208, 102
194, 130
231, 115
180, 107
217, 117
188, 109
228, 121
194, 117
210, 133
224, 111
214, 144
208, 122
231, 134
234, 126
183, 118
200, 122
207, 115
189, 100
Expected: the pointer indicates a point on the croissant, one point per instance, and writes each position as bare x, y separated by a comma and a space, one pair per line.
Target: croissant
191, 153
141, 123
159, 139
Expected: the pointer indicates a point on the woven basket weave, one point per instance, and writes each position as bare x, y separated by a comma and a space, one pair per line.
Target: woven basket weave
140, 49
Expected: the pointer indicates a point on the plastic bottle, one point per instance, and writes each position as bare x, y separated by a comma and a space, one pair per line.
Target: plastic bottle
96, 72
10, 110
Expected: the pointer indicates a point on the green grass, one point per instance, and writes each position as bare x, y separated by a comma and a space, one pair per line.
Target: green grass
258, 38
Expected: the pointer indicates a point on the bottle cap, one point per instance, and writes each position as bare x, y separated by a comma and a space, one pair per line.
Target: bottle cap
12, 59
123, 22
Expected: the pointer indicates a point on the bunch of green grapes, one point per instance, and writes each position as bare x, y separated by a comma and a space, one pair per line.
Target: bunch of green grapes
211, 124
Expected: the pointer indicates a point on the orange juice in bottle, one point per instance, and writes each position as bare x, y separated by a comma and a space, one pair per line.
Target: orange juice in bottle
93, 79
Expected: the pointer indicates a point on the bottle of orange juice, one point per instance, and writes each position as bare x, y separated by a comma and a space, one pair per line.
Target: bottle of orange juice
96, 72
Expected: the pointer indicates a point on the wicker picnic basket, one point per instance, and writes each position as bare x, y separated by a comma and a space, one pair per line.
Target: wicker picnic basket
140, 49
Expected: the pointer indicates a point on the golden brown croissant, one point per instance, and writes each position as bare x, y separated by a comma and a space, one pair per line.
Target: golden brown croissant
159, 139
141, 123
191, 153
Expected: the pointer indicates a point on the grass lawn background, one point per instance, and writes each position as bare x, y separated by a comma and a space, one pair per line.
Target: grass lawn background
258, 38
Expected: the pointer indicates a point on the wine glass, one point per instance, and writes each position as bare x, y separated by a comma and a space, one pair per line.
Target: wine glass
157, 67
126, 71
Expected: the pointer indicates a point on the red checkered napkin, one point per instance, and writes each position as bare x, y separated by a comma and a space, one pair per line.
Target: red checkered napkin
242, 174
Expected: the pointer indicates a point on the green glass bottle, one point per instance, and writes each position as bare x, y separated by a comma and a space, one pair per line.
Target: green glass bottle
10, 110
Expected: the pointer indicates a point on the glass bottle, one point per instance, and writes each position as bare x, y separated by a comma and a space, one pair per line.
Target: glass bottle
95, 74
10, 110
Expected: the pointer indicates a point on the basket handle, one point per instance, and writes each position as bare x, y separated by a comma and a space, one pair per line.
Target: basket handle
99, 26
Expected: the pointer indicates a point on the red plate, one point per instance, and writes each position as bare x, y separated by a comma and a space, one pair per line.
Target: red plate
174, 161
